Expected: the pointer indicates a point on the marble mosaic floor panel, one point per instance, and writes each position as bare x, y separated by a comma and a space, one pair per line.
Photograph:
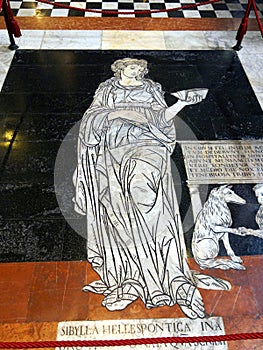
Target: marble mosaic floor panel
52, 89
45, 91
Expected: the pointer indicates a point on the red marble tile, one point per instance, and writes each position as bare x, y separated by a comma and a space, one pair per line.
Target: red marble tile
28, 331
50, 275
237, 301
15, 284
106, 23
47, 291
20, 273
244, 324
76, 274
13, 305
255, 269
45, 305
76, 304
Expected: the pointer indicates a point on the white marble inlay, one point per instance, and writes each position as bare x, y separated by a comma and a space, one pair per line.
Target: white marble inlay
26, 12
6, 56
81, 5
254, 71
252, 44
159, 14
15, 4
110, 6
169, 5
223, 14
189, 1
191, 14
132, 40
92, 14
59, 13
145, 328
207, 7
42, 6
126, 14
220, 40
31, 39
260, 98
178, 40
72, 39
141, 6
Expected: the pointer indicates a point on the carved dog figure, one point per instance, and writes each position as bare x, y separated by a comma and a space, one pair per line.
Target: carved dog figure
212, 224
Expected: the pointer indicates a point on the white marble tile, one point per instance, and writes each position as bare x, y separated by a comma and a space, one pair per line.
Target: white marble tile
15, 4
253, 66
126, 15
132, 40
191, 14
92, 14
188, 2
81, 5
207, 7
260, 98
72, 39
220, 40
180, 40
141, 6
110, 6
252, 43
159, 15
59, 13
223, 14
31, 39
42, 6
26, 12
6, 57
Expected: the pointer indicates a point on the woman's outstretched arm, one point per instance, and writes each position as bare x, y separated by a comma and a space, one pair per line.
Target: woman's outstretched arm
173, 110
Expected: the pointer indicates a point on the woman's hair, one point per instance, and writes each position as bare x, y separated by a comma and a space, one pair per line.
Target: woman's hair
119, 65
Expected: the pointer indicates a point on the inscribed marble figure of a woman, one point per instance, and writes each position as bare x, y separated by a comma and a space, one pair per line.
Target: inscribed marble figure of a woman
124, 187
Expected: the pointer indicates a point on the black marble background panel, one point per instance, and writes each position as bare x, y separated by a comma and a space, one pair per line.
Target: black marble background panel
46, 93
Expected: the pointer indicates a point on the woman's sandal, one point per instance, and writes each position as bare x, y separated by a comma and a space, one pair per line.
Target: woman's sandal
188, 297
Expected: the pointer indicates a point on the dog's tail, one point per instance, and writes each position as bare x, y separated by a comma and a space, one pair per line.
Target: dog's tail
223, 264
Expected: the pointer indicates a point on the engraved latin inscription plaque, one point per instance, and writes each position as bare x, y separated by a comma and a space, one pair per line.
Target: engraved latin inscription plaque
223, 161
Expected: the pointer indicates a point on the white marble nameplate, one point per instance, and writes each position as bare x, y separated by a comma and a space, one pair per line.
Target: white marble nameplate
223, 161
144, 328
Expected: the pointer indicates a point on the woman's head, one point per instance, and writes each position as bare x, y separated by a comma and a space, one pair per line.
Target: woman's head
120, 65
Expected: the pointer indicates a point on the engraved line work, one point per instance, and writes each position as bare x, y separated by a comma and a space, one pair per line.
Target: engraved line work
125, 189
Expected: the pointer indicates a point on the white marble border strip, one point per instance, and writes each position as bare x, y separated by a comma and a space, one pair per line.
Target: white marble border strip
144, 328
251, 56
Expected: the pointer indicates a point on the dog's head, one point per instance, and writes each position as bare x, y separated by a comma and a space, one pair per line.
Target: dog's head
225, 193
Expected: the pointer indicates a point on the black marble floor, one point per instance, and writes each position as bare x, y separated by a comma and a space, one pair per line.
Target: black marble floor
45, 95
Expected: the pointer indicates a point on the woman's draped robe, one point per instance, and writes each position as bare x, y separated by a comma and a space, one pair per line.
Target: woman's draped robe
125, 188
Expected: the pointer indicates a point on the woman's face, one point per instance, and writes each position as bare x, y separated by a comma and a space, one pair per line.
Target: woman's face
131, 71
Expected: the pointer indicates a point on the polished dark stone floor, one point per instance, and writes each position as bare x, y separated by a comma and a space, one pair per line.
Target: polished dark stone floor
46, 93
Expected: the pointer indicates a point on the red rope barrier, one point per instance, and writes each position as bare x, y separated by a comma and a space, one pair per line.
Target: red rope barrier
124, 342
139, 12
